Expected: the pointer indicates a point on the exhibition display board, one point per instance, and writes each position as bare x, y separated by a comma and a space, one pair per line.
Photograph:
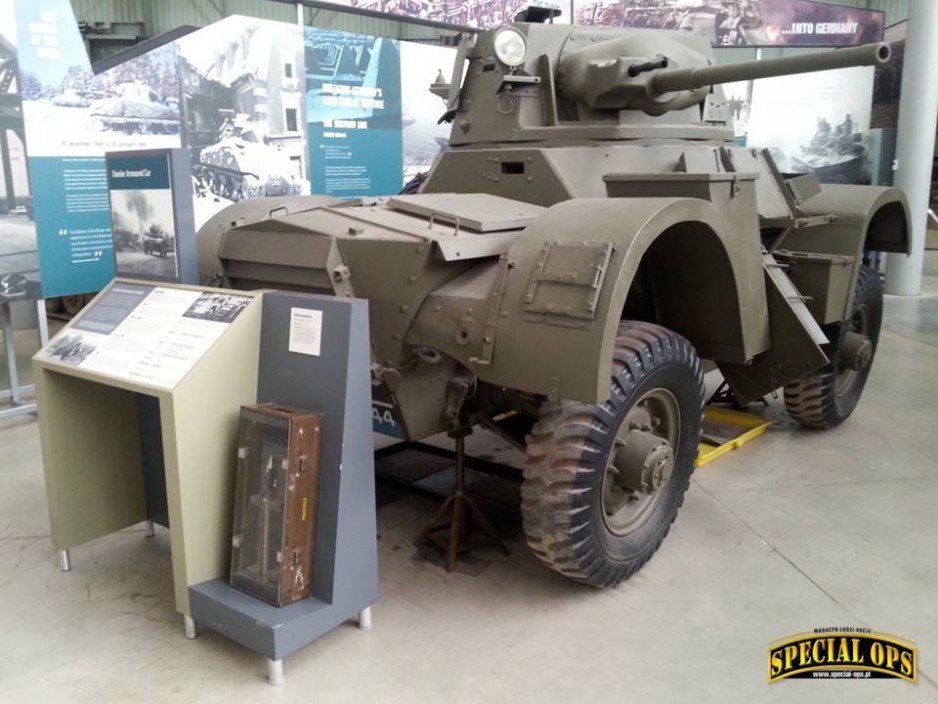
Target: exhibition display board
132, 342
151, 215
140, 397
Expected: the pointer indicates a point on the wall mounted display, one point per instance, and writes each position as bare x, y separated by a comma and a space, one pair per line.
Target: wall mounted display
19, 252
480, 14
423, 134
742, 22
816, 122
242, 105
151, 215
353, 105
72, 117
235, 94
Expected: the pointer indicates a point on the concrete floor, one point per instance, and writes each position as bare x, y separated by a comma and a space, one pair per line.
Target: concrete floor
797, 530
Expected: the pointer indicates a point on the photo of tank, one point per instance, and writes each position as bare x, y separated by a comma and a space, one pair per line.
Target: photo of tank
242, 105
835, 155
242, 164
144, 233
130, 106
136, 109
19, 255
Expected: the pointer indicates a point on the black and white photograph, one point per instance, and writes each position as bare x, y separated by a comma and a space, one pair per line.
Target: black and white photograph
816, 123
139, 96
483, 15
243, 98
738, 96
217, 307
134, 105
19, 255
72, 348
144, 232
423, 135
741, 22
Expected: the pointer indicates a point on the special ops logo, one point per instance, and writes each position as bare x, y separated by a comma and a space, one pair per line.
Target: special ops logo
842, 653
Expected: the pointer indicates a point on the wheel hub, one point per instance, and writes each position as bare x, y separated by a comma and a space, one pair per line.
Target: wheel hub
643, 462
856, 351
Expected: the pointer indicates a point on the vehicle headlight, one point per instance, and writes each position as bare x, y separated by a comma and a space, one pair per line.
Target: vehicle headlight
510, 47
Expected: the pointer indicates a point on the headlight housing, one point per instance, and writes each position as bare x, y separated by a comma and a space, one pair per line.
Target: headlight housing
510, 47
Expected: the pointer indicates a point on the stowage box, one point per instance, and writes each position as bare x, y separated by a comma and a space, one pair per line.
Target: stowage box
273, 536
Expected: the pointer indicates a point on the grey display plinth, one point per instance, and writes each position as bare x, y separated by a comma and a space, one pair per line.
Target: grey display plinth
336, 383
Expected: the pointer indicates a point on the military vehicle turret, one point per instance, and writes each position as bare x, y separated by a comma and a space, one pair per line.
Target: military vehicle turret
589, 238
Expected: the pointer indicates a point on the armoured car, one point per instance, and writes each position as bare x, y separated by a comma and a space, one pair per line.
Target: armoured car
592, 241
157, 241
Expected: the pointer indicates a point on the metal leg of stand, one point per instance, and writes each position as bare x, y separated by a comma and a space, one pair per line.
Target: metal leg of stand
43, 322
65, 563
16, 392
188, 624
275, 672
364, 619
148, 529
10, 350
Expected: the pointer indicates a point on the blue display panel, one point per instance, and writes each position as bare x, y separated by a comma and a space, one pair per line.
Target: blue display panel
353, 110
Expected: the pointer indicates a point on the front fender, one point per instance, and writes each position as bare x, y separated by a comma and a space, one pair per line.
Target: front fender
555, 334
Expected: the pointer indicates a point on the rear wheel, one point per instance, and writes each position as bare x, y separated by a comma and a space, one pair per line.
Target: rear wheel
828, 397
603, 483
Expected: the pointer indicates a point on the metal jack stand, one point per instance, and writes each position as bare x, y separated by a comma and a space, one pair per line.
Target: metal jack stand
16, 392
454, 535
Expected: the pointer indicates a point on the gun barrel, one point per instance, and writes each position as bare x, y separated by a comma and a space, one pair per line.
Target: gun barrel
669, 80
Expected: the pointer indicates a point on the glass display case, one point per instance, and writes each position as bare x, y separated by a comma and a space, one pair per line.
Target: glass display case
273, 536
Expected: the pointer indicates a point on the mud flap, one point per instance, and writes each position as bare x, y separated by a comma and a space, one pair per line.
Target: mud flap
795, 351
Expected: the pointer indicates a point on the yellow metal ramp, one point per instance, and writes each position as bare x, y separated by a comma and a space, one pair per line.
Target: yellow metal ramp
724, 430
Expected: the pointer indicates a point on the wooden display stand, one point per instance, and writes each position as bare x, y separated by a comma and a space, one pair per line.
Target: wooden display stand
111, 444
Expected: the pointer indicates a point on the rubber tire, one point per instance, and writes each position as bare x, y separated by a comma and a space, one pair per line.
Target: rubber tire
811, 401
567, 453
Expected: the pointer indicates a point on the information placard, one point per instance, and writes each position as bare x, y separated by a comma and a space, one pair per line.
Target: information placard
144, 333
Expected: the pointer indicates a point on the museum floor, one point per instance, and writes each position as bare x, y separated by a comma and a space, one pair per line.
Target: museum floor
797, 530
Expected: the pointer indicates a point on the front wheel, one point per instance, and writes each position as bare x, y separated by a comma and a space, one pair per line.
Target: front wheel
828, 397
603, 483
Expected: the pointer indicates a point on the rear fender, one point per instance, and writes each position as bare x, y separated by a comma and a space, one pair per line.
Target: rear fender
559, 317
866, 217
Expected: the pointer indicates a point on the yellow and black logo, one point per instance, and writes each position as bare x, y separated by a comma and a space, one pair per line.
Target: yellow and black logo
842, 653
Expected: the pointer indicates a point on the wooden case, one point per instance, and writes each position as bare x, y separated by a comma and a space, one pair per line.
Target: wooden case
273, 537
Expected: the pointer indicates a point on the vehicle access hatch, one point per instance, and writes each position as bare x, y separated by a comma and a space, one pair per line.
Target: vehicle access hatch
479, 212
